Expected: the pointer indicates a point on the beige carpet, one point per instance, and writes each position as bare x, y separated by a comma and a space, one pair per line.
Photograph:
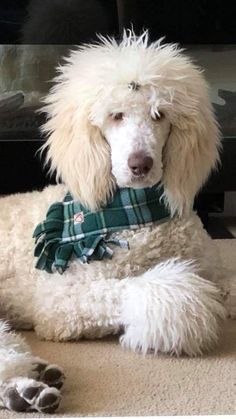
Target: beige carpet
104, 380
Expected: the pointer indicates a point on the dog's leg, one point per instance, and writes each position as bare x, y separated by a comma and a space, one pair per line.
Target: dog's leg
66, 308
20, 372
167, 309
171, 309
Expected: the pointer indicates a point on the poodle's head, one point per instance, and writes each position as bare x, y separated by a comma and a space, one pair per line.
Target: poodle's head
131, 114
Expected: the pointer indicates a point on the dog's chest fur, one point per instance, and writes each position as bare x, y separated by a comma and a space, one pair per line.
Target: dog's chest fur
147, 247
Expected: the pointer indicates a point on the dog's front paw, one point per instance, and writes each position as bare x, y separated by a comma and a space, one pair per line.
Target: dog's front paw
171, 310
25, 394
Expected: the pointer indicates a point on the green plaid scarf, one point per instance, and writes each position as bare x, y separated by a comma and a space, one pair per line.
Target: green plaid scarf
71, 230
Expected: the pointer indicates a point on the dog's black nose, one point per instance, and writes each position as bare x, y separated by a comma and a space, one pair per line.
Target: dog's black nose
139, 163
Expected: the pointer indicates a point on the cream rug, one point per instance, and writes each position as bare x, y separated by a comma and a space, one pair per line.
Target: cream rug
104, 380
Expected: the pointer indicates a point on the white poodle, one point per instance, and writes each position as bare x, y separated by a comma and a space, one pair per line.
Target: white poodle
121, 115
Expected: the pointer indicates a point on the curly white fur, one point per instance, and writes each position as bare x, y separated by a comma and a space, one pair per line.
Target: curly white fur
94, 84
163, 304
171, 309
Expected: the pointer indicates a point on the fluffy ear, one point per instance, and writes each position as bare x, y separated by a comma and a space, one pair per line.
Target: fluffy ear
77, 151
192, 148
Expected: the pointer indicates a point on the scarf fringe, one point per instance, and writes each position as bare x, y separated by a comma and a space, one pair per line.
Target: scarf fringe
54, 256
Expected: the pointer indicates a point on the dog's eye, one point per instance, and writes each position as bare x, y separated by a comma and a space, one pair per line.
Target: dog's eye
158, 116
117, 116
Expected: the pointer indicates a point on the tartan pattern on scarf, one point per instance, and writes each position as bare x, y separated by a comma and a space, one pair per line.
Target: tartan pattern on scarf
71, 230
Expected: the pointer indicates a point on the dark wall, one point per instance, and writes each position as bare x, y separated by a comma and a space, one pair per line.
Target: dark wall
182, 21
75, 21
56, 21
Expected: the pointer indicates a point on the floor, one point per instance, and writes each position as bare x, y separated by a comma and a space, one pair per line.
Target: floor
102, 379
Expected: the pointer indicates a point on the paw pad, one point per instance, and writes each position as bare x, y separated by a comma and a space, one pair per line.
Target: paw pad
31, 392
15, 401
24, 395
51, 375
48, 402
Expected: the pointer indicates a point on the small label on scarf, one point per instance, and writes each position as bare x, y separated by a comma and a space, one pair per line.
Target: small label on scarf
79, 218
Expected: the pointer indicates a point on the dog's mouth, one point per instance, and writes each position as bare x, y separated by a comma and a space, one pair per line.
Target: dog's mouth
141, 181
137, 178
129, 179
